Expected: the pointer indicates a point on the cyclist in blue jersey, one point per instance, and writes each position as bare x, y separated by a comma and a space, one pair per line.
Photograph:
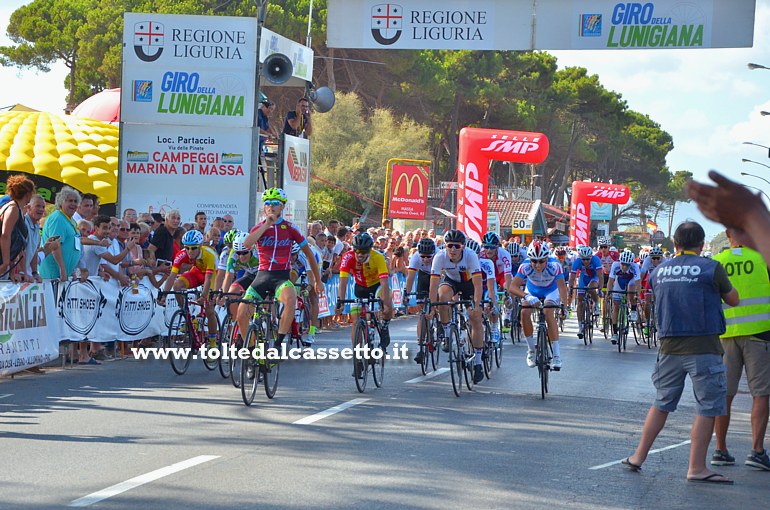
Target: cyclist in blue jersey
591, 276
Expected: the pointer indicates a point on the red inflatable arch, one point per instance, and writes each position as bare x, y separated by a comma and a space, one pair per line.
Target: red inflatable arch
477, 148
583, 193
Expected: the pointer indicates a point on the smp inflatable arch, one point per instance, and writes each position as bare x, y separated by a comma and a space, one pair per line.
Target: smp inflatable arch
477, 148
583, 193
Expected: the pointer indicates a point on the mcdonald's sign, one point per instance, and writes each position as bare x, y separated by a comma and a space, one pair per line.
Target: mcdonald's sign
408, 192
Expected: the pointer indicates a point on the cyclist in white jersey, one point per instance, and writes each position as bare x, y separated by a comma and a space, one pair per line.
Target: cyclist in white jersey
489, 285
462, 275
420, 264
544, 279
501, 263
624, 275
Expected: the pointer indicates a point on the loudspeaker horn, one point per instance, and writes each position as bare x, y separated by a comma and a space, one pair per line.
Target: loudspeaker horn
322, 99
277, 68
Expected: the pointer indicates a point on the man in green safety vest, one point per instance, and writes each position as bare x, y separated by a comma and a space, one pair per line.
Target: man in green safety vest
746, 344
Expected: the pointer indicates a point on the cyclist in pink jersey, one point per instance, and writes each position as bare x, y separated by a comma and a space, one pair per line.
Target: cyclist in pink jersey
274, 238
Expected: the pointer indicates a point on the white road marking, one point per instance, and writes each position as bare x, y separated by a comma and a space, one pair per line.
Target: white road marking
307, 420
140, 480
6, 395
427, 376
601, 466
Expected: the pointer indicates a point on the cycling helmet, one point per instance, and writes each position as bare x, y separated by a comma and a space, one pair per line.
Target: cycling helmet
192, 238
230, 236
627, 257
656, 251
538, 250
454, 236
513, 248
363, 241
643, 255
612, 248
295, 249
426, 246
239, 241
604, 241
707, 254
561, 251
274, 194
490, 239
473, 245
585, 252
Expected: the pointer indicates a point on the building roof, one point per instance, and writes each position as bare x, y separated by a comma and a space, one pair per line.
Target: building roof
510, 210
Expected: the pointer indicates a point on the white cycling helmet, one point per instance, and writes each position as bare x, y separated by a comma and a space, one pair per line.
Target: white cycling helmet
238, 242
604, 241
656, 251
513, 248
627, 257
585, 252
538, 250
643, 254
707, 254
473, 245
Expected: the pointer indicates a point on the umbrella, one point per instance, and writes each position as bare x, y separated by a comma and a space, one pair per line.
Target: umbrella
82, 153
104, 106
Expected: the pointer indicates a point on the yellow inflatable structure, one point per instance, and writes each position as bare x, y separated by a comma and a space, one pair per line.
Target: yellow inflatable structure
81, 153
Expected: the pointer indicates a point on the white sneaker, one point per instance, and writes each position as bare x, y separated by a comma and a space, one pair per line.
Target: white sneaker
556, 363
531, 359
309, 339
580, 330
632, 316
614, 339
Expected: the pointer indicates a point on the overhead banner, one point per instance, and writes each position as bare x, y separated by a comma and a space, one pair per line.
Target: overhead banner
477, 148
540, 25
188, 168
296, 179
583, 193
408, 192
188, 70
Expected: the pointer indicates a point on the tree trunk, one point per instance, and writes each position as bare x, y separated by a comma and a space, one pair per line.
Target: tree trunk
331, 81
71, 98
671, 220
453, 135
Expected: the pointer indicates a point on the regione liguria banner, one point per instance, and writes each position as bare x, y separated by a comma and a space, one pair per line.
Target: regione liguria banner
408, 192
296, 179
540, 25
477, 148
583, 193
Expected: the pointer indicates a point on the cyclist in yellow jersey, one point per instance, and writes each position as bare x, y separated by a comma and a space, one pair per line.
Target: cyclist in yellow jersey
203, 272
370, 272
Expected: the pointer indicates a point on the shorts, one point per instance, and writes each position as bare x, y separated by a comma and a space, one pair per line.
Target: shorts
620, 285
465, 289
194, 278
268, 282
423, 285
709, 383
244, 281
548, 293
362, 292
753, 355
586, 281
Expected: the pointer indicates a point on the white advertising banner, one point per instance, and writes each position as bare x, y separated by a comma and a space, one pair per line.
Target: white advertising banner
301, 57
29, 326
542, 25
296, 179
188, 168
188, 70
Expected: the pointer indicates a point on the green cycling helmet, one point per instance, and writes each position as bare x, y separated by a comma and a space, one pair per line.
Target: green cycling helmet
274, 194
230, 236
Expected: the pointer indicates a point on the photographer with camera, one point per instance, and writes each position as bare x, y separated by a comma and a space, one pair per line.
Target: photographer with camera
298, 122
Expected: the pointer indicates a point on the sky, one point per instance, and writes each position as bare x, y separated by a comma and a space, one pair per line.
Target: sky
707, 100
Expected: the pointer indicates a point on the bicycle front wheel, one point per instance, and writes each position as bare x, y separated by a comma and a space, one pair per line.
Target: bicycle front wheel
250, 367
499, 353
213, 351
235, 361
270, 366
377, 361
426, 344
360, 362
542, 360
224, 345
455, 360
433, 347
180, 340
488, 353
468, 355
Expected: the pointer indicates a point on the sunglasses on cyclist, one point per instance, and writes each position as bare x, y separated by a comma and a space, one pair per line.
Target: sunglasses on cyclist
587, 259
454, 246
656, 258
193, 247
426, 256
490, 247
538, 261
241, 253
273, 203
603, 247
362, 252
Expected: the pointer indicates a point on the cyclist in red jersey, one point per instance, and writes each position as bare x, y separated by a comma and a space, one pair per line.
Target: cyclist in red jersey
274, 238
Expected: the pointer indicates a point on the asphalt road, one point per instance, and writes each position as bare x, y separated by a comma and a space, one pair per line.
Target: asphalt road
132, 434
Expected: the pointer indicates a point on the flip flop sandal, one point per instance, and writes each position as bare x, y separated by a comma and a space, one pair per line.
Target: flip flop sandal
714, 478
630, 465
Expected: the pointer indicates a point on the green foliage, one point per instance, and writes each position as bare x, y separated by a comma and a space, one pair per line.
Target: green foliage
719, 243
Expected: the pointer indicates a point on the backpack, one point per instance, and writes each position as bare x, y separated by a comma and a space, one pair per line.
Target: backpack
19, 234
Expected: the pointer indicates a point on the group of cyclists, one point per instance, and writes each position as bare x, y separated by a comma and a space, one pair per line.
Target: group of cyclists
268, 260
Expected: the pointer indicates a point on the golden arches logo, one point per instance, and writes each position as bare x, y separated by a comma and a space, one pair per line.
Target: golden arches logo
409, 184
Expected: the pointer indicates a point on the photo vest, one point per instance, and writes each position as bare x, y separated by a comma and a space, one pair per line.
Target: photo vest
686, 302
748, 274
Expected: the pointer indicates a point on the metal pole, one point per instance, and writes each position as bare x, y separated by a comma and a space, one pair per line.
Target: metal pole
255, 154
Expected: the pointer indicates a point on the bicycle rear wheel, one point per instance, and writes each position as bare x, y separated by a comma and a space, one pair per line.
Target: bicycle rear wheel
180, 336
360, 362
378, 363
270, 367
250, 367
455, 360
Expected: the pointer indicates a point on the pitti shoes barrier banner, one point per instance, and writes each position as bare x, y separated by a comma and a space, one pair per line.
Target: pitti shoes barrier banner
540, 25
477, 148
408, 192
583, 193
